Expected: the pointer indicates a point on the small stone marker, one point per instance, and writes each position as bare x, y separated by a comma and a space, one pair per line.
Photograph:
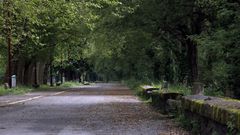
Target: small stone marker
63, 79
14, 81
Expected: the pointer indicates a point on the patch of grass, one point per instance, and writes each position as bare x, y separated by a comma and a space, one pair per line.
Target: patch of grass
15, 91
157, 85
21, 90
177, 88
62, 86
135, 86
192, 125
211, 91
25, 89
184, 121
3, 91
44, 86
71, 84
180, 89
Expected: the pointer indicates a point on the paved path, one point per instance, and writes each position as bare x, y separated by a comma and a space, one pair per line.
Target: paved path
101, 109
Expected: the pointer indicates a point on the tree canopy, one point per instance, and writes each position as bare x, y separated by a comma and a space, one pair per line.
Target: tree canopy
180, 41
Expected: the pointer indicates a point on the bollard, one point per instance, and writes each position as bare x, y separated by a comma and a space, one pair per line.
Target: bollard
63, 79
14, 81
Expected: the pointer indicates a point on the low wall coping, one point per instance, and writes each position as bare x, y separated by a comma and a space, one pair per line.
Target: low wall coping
222, 110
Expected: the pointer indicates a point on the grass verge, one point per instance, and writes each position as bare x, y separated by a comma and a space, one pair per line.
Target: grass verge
25, 89
176, 88
15, 91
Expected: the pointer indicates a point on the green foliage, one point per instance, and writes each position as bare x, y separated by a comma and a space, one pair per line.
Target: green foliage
3, 91
178, 88
151, 43
2, 68
15, 91
142, 40
219, 48
134, 85
231, 127
192, 125
212, 91
20, 90
71, 84
67, 84
184, 121
25, 89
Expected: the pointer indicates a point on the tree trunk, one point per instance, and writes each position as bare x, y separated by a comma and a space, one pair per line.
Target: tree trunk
51, 75
192, 61
20, 69
35, 73
8, 24
41, 74
30, 74
46, 74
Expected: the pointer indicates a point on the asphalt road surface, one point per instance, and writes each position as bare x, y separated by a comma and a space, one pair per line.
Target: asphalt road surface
100, 109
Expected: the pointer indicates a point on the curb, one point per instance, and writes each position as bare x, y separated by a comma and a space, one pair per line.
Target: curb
30, 99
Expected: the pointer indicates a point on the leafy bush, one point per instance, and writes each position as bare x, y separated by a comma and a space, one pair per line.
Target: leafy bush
212, 91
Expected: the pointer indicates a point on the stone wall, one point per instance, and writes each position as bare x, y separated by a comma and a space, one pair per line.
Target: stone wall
213, 115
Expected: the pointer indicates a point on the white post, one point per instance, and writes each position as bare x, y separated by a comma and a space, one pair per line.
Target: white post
63, 78
14, 81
